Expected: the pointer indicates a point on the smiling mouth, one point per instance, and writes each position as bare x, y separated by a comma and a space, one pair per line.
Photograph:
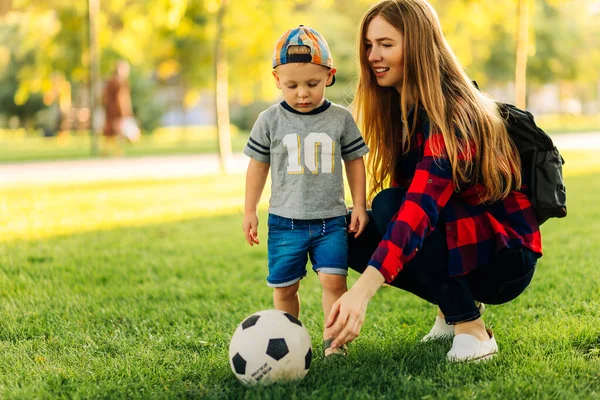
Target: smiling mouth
380, 71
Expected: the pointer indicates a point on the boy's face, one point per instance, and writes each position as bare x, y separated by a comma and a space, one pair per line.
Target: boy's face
303, 84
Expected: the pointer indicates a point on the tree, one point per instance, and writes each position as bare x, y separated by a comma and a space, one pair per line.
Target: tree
222, 90
522, 53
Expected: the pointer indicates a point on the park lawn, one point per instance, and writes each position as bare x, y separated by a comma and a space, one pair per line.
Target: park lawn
25, 146
133, 290
22, 145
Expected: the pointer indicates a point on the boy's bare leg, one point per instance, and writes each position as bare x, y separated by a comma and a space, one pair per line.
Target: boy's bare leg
287, 299
333, 287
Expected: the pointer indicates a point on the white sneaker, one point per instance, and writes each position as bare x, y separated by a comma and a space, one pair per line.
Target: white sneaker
441, 330
467, 347
481, 307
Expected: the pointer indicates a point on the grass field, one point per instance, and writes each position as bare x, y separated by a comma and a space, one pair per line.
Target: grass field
21, 145
133, 290
29, 146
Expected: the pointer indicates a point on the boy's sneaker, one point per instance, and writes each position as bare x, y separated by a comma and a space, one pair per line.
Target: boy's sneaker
441, 330
467, 347
328, 352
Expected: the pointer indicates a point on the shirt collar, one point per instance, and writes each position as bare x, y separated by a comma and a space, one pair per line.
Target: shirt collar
323, 107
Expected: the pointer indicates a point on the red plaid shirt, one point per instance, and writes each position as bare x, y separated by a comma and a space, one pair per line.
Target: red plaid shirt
474, 232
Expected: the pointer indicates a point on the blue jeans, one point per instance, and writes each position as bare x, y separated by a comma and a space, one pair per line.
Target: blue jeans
426, 275
292, 241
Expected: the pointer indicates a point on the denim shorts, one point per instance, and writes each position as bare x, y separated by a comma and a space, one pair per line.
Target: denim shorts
291, 241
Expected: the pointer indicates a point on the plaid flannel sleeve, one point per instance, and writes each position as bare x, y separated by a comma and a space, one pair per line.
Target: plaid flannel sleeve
427, 195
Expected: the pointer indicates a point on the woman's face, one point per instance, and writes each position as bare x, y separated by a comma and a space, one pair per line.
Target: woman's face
385, 52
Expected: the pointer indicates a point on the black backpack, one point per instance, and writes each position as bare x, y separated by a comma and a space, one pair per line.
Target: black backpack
541, 164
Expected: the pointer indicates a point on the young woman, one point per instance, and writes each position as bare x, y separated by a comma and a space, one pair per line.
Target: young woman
448, 222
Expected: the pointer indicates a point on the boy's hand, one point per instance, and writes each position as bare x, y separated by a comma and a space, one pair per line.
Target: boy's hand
250, 228
358, 220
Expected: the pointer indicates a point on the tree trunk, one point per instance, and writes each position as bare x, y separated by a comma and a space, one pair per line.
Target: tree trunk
522, 50
222, 92
95, 86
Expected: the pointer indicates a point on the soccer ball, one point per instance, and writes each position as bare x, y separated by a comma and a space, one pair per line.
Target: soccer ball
270, 346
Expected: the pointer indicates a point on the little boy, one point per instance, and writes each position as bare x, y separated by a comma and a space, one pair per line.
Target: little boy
303, 140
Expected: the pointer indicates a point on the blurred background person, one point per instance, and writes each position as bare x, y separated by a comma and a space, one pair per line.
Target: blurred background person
117, 107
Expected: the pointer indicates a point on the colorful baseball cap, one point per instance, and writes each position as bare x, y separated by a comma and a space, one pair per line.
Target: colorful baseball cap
303, 36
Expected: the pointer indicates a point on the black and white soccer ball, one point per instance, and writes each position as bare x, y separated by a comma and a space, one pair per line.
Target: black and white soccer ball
270, 346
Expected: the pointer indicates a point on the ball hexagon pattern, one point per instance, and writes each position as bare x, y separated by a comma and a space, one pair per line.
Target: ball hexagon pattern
270, 346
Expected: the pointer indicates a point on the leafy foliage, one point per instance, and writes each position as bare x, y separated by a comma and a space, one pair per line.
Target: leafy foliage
171, 42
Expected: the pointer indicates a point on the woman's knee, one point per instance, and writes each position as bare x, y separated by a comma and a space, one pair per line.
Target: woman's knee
505, 291
505, 279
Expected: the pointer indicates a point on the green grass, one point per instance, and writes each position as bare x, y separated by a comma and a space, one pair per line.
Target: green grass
30, 146
567, 123
133, 290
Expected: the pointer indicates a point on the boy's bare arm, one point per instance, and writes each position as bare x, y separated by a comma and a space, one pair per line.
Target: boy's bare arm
256, 176
355, 171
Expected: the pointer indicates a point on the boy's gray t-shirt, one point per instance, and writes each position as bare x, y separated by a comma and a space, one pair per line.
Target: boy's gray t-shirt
305, 152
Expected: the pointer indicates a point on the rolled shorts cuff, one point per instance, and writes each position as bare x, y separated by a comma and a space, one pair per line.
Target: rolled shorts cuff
453, 320
333, 270
284, 282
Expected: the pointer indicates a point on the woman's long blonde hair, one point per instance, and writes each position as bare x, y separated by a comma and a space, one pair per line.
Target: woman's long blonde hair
477, 144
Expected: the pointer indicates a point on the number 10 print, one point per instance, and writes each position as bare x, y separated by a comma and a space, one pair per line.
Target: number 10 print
312, 143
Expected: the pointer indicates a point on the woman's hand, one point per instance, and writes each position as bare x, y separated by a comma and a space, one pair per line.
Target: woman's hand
346, 318
347, 314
